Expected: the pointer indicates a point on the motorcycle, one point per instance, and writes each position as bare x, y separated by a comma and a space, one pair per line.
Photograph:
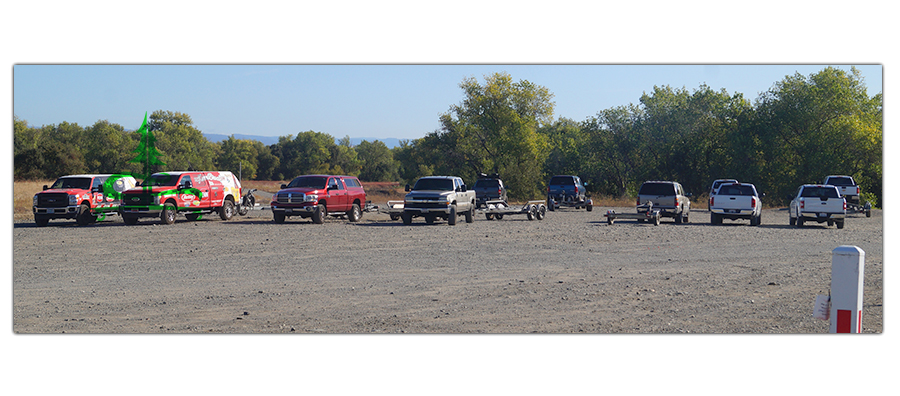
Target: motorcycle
248, 201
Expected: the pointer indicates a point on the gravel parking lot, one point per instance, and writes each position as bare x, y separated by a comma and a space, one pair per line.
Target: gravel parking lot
569, 273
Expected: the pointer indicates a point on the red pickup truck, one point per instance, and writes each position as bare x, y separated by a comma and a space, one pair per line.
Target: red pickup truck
85, 198
317, 196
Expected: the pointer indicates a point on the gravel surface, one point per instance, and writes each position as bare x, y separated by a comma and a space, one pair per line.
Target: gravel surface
569, 273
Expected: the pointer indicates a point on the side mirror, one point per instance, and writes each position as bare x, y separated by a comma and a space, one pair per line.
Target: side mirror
138, 184
45, 187
407, 187
188, 184
283, 186
463, 188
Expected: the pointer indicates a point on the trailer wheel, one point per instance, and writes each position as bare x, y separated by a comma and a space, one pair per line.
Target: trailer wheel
609, 220
589, 207
531, 212
489, 216
394, 217
541, 212
656, 220
498, 216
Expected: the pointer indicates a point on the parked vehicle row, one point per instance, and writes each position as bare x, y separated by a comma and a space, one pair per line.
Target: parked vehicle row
87, 198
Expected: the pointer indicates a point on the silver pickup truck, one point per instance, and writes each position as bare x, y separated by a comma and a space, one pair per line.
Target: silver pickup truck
820, 203
435, 197
734, 201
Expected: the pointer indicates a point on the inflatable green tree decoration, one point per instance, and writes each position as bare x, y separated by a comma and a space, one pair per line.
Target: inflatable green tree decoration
147, 154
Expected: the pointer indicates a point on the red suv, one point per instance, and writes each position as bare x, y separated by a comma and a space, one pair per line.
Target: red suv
316, 196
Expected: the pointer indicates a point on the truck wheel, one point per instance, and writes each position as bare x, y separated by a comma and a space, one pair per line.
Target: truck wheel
84, 215
167, 216
278, 217
318, 216
714, 219
840, 224
792, 221
41, 221
129, 219
407, 218
227, 210
470, 215
830, 223
451, 218
550, 204
679, 218
354, 214
799, 222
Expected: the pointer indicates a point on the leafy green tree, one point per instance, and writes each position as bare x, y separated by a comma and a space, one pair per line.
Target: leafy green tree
239, 156
495, 129
183, 145
378, 162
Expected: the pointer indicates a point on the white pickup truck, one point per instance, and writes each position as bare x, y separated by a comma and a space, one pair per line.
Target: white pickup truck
443, 197
735, 201
820, 203
847, 187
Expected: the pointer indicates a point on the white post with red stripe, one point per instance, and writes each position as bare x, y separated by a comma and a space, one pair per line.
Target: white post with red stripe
847, 265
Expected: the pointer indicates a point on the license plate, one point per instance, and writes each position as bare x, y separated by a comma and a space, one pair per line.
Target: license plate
823, 214
288, 211
50, 211
425, 211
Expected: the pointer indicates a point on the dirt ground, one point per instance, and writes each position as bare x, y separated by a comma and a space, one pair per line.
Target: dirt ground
568, 273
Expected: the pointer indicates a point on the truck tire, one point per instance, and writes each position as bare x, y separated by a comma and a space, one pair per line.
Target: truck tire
714, 219
130, 219
278, 217
84, 215
167, 216
451, 218
840, 224
318, 216
470, 215
354, 214
226, 212
407, 218
41, 221
679, 218
792, 221
799, 222
550, 204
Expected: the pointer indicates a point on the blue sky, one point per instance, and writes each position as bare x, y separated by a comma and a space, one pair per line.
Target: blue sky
378, 101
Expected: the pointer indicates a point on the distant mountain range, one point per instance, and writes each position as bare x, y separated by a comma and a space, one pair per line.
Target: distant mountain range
270, 140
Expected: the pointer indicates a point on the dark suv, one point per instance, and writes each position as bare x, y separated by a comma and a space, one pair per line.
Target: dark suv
489, 188
668, 197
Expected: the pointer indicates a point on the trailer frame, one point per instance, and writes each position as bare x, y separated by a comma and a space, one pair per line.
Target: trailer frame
651, 215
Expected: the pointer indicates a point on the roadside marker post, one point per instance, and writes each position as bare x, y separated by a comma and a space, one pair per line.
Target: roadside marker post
847, 265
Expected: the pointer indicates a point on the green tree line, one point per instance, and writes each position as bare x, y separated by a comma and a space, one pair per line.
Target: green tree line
799, 131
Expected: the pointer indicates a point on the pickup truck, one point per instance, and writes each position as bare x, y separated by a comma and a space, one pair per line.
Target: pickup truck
438, 196
85, 198
820, 203
192, 193
847, 187
488, 188
315, 196
735, 201
568, 190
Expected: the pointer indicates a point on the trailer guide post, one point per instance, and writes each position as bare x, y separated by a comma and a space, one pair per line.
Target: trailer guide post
847, 265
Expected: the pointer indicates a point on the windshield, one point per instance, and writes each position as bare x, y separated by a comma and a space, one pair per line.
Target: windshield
161, 179
820, 192
309, 182
82, 183
434, 184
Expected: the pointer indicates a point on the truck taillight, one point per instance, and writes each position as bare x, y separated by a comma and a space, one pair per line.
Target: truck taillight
753, 202
638, 202
712, 201
499, 191
802, 204
857, 190
845, 204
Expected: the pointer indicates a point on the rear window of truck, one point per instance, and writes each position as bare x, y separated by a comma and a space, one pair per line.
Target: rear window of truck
819, 192
736, 190
562, 181
840, 181
657, 189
